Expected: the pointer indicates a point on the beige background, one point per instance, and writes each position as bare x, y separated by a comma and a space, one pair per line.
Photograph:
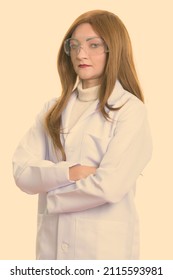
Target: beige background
31, 31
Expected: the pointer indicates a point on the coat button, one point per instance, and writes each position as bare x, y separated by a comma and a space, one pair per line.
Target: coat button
64, 247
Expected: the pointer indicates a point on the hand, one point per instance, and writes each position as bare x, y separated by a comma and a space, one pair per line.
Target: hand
78, 172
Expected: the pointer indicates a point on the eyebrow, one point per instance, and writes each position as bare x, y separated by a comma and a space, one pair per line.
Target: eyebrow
87, 38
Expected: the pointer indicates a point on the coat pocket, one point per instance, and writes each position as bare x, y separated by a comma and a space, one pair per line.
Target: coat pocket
46, 237
109, 240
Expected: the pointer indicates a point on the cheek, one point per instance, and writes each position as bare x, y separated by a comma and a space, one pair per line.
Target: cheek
73, 62
100, 63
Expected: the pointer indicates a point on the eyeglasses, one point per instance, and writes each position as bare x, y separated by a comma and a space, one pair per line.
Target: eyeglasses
92, 46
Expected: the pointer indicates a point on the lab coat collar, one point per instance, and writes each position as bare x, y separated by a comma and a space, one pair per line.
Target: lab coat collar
119, 96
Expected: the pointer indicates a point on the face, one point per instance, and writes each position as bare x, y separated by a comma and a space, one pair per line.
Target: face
87, 66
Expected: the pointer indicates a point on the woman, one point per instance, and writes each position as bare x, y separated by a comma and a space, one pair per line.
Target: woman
87, 148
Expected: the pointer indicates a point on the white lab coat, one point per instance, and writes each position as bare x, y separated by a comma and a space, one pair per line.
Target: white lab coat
95, 217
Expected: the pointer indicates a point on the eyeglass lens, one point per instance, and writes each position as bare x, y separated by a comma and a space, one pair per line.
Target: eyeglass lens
91, 46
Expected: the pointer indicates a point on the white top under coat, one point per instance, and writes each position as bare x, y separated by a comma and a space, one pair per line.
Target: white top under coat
85, 97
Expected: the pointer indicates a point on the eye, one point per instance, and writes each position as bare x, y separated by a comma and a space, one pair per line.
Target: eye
73, 44
94, 43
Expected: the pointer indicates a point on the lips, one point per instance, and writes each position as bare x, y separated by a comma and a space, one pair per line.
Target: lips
84, 66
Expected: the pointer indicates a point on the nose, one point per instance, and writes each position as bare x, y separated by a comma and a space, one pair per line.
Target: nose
81, 52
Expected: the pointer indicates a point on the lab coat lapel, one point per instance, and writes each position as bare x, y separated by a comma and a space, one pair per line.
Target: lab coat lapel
65, 117
67, 112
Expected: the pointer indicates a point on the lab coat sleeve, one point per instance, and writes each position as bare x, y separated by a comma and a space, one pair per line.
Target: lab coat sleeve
32, 172
128, 153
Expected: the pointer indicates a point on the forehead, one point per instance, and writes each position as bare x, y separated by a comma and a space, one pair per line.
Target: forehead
84, 30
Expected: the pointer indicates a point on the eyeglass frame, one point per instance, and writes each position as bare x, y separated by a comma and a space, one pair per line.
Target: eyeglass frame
106, 50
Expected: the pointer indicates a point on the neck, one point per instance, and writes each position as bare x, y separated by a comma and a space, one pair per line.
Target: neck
90, 83
87, 94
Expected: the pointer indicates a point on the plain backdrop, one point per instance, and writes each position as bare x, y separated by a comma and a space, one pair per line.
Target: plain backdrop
30, 35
